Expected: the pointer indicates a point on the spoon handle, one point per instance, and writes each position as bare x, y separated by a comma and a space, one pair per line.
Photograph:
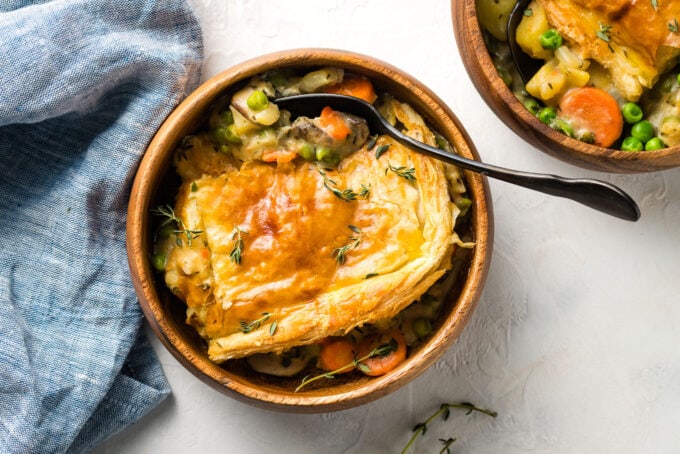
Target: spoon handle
595, 194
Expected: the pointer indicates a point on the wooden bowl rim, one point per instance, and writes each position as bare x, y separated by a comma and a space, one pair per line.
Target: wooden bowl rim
584, 155
151, 166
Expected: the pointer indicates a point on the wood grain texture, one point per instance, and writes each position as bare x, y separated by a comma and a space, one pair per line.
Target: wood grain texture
501, 100
155, 183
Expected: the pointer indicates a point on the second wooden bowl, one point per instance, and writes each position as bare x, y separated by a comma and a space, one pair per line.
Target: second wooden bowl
499, 97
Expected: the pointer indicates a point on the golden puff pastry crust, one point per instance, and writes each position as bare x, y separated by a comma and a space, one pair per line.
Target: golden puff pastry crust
396, 238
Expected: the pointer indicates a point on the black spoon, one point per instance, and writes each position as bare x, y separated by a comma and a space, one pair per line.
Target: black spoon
595, 194
526, 66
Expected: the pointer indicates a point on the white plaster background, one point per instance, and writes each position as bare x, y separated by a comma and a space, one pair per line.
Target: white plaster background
575, 340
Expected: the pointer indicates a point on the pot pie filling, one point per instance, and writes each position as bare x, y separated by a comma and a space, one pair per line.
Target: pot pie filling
288, 235
609, 72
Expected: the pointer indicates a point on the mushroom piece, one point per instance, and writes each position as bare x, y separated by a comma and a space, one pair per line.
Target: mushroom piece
309, 130
286, 364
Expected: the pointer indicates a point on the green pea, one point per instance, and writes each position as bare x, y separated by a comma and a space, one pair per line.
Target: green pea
327, 155
654, 143
226, 117
463, 205
667, 84
532, 105
563, 127
547, 115
307, 152
277, 79
226, 134
159, 260
505, 75
631, 144
422, 327
632, 113
166, 230
588, 137
642, 130
257, 100
551, 39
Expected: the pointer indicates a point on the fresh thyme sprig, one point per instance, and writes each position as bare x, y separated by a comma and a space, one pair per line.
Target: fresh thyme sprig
445, 411
380, 350
340, 253
605, 33
169, 214
255, 324
347, 195
405, 172
237, 251
673, 26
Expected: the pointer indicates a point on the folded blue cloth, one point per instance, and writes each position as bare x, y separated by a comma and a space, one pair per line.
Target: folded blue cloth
84, 84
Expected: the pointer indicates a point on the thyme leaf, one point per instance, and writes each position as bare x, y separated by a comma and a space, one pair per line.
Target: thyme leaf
380, 150
444, 411
673, 26
341, 252
236, 253
365, 191
528, 12
605, 33
381, 350
255, 324
180, 228
655, 5
405, 172
371, 142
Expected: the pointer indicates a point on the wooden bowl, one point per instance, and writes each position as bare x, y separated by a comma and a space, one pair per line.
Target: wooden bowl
498, 96
156, 183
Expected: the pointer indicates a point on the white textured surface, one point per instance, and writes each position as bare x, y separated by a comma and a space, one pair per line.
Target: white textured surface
575, 340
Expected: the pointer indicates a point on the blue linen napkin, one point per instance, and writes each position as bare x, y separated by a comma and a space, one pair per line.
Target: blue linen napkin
83, 86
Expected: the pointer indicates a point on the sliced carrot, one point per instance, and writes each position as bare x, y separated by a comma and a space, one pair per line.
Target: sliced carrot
356, 86
337, 355
278, 156
593, 110
382, 364
334, 123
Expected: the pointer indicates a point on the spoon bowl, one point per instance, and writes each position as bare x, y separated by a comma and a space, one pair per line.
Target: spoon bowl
525, 65
595, 194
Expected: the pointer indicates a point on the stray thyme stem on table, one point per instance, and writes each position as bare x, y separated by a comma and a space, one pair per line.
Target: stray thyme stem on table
445, 411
